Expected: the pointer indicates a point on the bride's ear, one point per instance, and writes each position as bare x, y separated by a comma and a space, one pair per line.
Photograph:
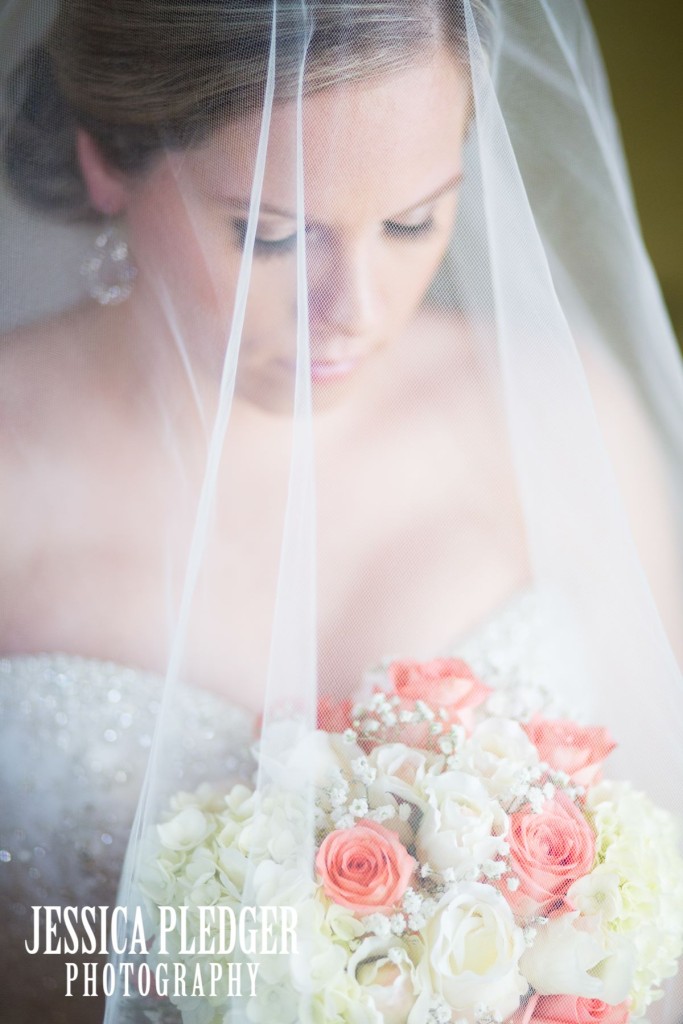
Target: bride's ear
106, 187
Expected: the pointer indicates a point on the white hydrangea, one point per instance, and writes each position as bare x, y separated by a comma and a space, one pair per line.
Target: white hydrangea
638, 843
342, 1000
278, 829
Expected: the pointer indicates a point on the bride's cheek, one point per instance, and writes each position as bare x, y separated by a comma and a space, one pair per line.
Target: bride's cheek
412, 279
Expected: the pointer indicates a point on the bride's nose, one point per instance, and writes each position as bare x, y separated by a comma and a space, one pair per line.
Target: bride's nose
341, 295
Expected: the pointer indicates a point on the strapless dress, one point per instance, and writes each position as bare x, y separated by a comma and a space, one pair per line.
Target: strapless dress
76, 734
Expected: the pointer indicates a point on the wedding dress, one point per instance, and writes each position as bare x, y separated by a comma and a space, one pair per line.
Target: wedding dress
367, 341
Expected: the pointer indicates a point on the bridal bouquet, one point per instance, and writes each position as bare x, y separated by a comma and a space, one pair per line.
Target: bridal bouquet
471, 865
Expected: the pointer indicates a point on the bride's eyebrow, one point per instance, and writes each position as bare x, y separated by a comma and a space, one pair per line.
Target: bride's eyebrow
243, 204
451, 184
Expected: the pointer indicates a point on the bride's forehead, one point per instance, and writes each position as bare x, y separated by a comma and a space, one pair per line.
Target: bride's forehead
382, 137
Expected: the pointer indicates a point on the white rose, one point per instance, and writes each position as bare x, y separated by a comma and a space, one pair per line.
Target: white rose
385, 969
499, 752
574, 956
401, 770
473, 948
462, 826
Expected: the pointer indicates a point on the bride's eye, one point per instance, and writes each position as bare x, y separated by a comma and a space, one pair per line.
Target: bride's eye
264, 246
397, 229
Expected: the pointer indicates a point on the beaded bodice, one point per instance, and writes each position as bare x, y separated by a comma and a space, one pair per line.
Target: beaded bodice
76, 737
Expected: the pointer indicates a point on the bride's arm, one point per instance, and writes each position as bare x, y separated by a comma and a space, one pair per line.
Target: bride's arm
645, 485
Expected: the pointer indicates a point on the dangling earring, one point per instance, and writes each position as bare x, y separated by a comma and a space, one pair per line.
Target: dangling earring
108, 270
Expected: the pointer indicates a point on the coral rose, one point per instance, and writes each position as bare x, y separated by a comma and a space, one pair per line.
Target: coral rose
577, 1010
549, 851
365, 868
334, 715
443, 683
575, 749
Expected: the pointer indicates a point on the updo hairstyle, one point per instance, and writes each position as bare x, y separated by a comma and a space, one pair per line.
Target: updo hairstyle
140, 76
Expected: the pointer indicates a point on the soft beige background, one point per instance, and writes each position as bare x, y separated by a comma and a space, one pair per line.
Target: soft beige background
642, 43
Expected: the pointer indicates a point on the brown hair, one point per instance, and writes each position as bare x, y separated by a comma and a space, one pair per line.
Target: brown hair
140, 75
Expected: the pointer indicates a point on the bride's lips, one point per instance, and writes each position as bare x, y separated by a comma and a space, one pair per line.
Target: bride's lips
333, 369
328, 369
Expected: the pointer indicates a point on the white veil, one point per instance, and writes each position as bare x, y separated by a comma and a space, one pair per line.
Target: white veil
516, 424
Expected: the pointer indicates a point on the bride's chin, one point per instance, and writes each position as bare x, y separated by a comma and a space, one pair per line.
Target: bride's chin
333, 383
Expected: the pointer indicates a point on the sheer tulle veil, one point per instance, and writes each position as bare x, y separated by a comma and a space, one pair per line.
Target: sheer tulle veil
392, 324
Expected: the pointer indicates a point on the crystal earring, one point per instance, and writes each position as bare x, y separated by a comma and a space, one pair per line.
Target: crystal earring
108, 269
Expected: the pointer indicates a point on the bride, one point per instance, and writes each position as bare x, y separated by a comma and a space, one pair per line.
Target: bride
371, 364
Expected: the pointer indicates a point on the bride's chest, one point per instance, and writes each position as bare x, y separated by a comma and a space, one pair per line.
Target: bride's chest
409, 551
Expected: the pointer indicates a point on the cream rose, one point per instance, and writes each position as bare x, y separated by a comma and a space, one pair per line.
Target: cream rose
402, 770
473, 952
500, 753
462, 826
386, 970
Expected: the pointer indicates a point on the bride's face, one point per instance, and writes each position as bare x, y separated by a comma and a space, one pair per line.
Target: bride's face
381, 170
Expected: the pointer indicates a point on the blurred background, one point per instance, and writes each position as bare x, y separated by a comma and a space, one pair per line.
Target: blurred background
642, 43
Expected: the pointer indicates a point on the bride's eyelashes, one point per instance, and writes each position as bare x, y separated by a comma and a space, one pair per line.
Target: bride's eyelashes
264, 246
392, 230
406, 232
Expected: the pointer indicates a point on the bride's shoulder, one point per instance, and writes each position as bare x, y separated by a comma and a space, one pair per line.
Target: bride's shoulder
41, 348
45, 369
45, 382
627, 427
633, 443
